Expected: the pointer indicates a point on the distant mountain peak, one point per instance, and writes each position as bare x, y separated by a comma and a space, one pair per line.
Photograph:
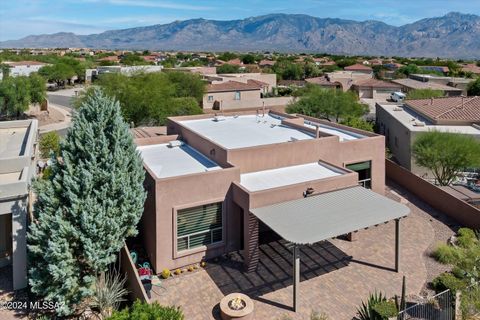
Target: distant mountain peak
452, 35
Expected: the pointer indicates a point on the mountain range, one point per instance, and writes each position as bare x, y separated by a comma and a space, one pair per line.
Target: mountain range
453, 35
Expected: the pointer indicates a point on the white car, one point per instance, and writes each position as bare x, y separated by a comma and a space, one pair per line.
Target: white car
397, 96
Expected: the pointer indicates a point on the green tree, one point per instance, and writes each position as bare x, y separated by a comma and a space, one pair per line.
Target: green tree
228, 68
5, 70
149, 98
424, 94
58, 73
49, 142
131, 59
473, 88
226, 56
38, 92
445, 154
288, 70
15, 96
408, 70
248, 59
358, 123
329, 104
92, 201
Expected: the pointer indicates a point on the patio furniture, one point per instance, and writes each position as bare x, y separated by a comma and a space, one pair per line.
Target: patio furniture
236, 306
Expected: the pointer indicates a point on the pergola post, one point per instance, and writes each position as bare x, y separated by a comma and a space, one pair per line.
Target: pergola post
296, 276
397, 245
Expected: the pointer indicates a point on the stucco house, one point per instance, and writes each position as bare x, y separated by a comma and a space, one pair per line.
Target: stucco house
206, 177
18, 149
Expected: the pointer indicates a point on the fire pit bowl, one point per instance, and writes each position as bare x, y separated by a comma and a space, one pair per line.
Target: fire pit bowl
236, 306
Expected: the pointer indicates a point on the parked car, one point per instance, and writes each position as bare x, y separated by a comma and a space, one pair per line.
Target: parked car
397, 96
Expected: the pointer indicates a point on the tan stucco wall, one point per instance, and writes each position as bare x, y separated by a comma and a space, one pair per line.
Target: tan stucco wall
248, 99
166, 196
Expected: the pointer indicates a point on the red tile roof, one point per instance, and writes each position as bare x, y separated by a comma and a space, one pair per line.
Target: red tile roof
464, 109
471, 67
266, 63
322, 81
257, 82
358, 67
233, 86
236, 62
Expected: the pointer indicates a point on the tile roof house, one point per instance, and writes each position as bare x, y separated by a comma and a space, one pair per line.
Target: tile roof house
323, 82
471, 67
22, 68
375, 89
448, 111
358, 68
401, 124
266, 63
411, 84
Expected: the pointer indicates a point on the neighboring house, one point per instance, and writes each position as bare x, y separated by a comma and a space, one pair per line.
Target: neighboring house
232, 95
411, 84
91, 74
471, 67
266, 63
441, 69
292, 83
455, 82
22, 68
199, 70
401, 124
208, 176
359, 68
114, 59
347, 78
375, 89
18, 148
324, 82
267, 79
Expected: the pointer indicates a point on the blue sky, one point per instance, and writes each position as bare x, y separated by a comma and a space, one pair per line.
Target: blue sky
20, 18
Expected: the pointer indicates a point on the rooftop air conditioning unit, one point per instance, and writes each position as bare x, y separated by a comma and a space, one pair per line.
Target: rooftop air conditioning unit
219, 118
419, 124
175, 143
398, 109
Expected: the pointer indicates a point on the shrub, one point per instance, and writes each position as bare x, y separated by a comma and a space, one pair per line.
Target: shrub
109, 293
166, 273
446, 254
141, 310
365, 312
384, 310
50, 141
447, 281
318, 316
178, 272
466, 237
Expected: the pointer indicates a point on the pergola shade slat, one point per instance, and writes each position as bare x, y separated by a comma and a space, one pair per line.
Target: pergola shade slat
328, 215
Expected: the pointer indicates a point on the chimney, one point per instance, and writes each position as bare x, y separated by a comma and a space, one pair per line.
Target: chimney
431, 100
317, 131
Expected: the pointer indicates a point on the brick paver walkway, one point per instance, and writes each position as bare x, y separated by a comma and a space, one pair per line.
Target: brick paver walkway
336, 275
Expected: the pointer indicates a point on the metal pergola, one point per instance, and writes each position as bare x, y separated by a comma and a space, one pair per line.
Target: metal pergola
328, 215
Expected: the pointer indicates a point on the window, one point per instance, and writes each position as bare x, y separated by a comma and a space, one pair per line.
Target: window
199, 226
237, 95
364, 170
210, 98
5, 236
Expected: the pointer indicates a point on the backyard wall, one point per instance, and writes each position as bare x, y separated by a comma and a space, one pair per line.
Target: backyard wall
459, 210
134, 285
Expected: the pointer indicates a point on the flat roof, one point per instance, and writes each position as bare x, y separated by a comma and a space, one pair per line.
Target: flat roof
408, 118
328, 215
344, 135
6, 178
234, 132
267, 179
166, 161
13, 141
415, 84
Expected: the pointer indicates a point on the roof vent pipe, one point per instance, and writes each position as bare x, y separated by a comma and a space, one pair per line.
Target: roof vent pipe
431, 100
317, 131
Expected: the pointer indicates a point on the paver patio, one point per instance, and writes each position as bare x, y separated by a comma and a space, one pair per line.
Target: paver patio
336, 275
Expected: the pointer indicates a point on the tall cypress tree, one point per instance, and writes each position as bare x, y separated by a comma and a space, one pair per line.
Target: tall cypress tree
91, 202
